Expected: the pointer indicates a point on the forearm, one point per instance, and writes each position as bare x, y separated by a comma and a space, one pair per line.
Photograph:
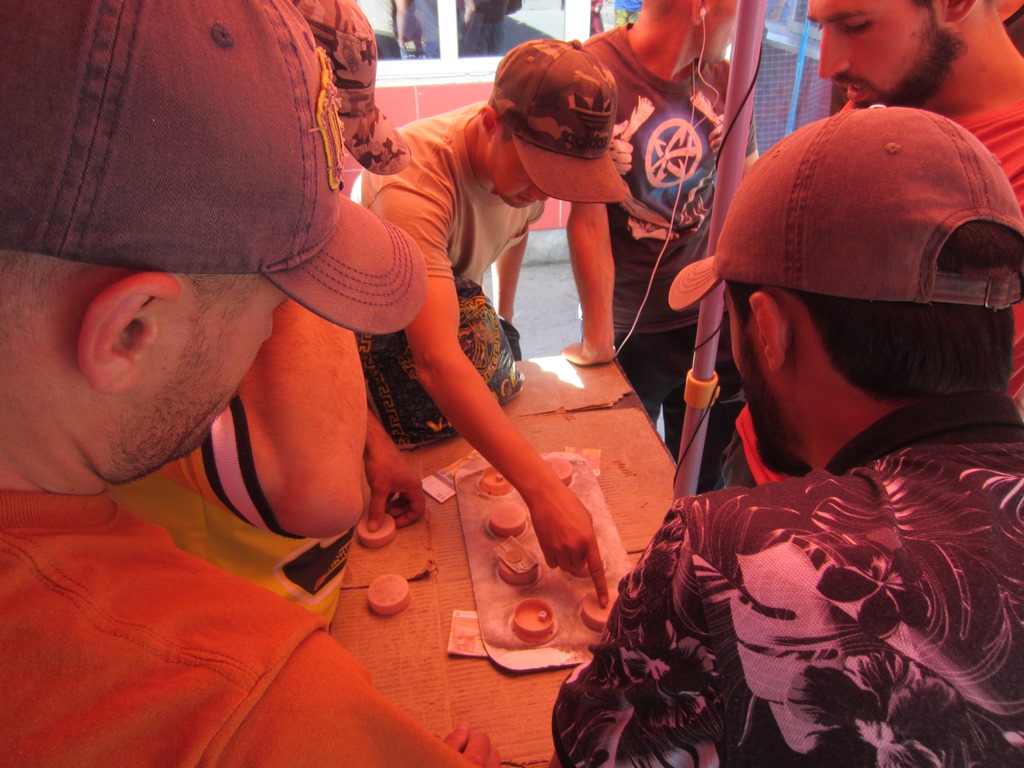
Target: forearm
457, 388
594, 271
379, 445
562, 524
464, 398
505, 279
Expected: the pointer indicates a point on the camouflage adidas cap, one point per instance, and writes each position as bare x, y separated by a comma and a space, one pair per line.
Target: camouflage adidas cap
341, 28
559, 101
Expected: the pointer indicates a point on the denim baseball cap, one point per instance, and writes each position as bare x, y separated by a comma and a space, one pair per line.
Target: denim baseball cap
559, 100
190, 137
859, 206
341, 27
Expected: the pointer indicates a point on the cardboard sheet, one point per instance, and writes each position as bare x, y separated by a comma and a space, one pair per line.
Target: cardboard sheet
408, 654
554, 384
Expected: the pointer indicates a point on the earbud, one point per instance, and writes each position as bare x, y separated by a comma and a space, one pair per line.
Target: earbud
703, 11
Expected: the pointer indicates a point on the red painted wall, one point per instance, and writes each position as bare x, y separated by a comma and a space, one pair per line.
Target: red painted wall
403, 104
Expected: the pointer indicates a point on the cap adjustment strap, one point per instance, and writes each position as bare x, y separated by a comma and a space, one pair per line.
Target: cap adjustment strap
1011, 291
994, 294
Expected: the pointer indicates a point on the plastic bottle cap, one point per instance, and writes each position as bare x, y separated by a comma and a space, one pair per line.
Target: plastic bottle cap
516, 564
389, 594
594, 616
519, 578
533, 620
493, 483
379, 538
562, 468
507, 518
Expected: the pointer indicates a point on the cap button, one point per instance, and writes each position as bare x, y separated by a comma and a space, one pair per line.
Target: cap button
577, 45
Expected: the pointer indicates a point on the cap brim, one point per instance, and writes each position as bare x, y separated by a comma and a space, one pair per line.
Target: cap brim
375, 142
370, 276
576, 179
693, 283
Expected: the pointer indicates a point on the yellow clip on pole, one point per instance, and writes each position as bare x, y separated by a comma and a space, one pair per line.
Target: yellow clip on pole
701, 394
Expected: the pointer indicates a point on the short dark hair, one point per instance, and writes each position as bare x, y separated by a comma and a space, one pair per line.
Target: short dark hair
897, 350
29, 278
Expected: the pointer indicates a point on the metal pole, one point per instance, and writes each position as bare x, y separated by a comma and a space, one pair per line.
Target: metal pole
801, 58
738, 109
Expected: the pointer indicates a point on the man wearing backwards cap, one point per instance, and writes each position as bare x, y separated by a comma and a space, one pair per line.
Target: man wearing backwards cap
168, 175
949, 56
478, 178
953, 57
274, 492
868, 613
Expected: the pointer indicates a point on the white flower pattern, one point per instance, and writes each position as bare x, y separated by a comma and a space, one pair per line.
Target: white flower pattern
868, 619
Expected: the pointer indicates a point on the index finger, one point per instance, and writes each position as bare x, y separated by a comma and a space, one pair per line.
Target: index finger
596, 566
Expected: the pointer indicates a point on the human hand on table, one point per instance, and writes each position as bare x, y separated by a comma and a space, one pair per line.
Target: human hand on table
565, 531
395, 489
474, 745
582, 353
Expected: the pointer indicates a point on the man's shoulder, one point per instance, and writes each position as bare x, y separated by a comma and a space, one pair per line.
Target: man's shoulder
127, 586
437, 128
604, 44
438, 148
920, 477
143, 648
1008, 117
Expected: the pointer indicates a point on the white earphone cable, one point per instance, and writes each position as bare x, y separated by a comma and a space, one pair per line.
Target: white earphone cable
694, 74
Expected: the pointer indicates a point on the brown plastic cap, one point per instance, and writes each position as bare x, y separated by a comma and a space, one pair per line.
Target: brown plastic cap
389, 594
383, 536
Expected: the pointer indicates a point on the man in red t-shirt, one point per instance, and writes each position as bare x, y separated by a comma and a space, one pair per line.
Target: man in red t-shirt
953, 57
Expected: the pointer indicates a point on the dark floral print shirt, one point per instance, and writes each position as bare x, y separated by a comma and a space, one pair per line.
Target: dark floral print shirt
863, 618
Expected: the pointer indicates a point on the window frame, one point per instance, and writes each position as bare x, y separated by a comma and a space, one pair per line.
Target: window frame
449, 68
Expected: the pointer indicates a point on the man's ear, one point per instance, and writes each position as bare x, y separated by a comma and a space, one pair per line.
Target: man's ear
120, 326
489, 119
698, 10
954, 11
773, 331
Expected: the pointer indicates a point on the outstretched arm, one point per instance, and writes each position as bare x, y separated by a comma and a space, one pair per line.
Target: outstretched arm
563, 525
